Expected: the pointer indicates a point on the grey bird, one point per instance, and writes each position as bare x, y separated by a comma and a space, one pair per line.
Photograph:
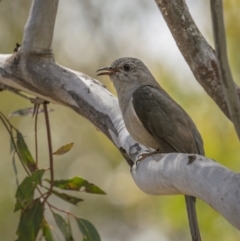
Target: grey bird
153, 118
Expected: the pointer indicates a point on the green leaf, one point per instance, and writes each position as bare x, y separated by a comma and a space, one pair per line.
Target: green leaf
47, 231
63, 227
27, 112
91, 188
25, 153
68, 198
12, 147
15, 169
88, 231
30, 221
77, 183
70, 230
25, 191
63, 149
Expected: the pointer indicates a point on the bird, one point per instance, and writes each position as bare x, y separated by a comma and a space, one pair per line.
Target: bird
153, 118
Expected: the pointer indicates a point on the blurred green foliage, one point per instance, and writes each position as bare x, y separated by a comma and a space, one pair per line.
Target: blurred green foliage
91, 34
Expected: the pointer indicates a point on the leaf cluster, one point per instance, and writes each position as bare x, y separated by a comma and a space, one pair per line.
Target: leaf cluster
33, 203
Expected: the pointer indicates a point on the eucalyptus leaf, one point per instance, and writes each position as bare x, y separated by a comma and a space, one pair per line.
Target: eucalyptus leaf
15, 169
77, 184
63, 149
63, 227
30, 221
27, 112
25, 153
67, 198
47, 231
25, 191
88, 231
12, 147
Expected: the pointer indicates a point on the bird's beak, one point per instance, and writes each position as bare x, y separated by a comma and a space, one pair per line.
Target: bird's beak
106, 71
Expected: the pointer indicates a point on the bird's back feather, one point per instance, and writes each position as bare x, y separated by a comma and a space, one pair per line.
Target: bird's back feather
166, 121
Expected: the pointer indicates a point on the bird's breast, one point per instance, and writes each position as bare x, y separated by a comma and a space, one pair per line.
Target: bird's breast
136, 128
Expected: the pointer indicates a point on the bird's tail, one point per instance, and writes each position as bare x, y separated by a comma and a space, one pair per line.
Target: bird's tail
192, 218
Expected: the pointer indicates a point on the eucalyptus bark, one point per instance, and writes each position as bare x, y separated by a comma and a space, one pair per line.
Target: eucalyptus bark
32, 69
225, 73
198, 54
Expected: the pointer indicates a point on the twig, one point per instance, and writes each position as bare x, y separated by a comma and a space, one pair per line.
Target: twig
35, 132
15, 91
49, 149
8, 122
224, 69
60, 210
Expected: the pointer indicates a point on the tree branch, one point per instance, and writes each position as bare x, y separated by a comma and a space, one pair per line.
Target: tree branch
44, 78
192, 175
38, 32
225, 72
155, 175
197, 52
36, 72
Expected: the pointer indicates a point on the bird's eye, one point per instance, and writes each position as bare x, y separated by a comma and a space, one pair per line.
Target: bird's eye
127, 67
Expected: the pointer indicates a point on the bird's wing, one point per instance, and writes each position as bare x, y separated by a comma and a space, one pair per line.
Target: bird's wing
166, 121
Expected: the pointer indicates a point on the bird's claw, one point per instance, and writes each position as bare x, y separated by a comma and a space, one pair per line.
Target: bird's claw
146, 154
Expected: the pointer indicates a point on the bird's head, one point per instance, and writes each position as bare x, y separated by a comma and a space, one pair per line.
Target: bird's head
127, 73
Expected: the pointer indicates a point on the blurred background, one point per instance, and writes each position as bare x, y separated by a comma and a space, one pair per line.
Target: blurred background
90, 34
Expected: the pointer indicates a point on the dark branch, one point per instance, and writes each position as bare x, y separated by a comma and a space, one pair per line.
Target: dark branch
197, 52
225, 72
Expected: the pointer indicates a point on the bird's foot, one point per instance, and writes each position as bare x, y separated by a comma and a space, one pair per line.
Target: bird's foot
146, 154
